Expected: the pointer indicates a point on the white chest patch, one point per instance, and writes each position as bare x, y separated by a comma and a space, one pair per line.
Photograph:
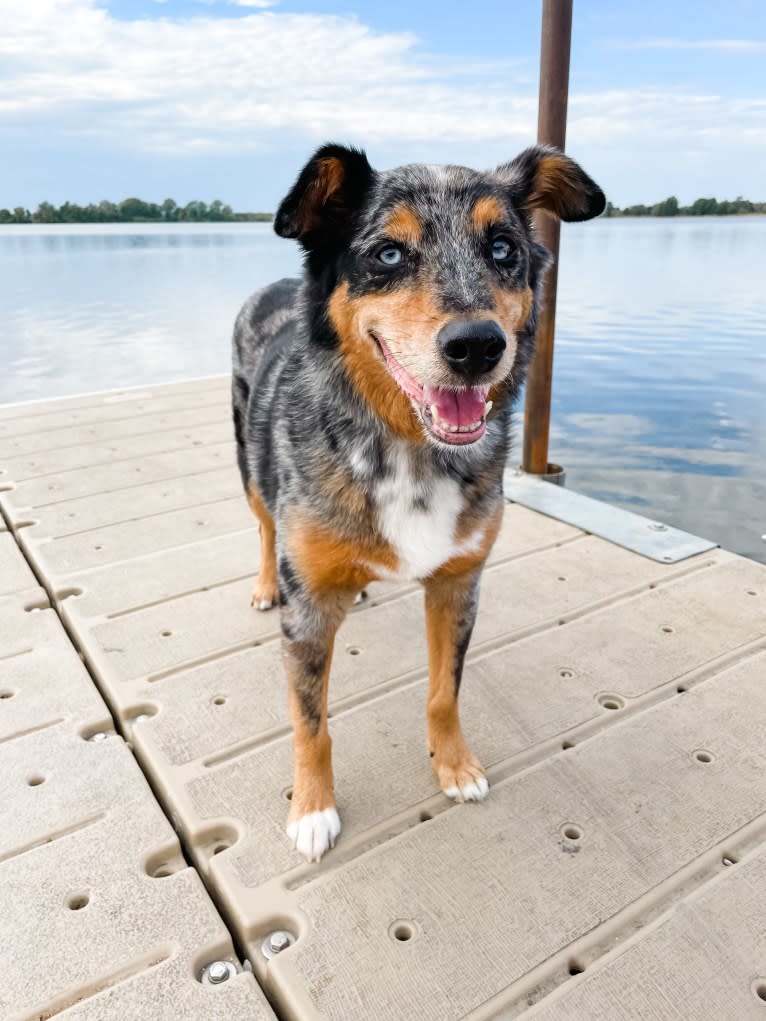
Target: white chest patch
420, 523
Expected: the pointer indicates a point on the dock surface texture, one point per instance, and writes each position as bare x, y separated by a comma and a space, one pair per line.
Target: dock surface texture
617, 869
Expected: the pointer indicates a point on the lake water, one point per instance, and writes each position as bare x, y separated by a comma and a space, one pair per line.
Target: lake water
660, 368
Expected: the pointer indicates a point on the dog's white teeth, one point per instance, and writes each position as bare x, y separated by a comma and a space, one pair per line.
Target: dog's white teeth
448, 427
487, 408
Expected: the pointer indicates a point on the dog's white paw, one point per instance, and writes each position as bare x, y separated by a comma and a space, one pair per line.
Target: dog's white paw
264, 596
315, 833
470, 790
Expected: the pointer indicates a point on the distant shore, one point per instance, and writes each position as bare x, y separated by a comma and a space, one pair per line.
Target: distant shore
700, 207
269, 218
132, 210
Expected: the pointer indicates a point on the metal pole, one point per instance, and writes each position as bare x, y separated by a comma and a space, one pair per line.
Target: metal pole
551, 130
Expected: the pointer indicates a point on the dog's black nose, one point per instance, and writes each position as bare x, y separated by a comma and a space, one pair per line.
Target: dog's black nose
471, 346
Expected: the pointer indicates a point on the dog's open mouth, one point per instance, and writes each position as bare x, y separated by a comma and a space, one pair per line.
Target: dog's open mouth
452, 416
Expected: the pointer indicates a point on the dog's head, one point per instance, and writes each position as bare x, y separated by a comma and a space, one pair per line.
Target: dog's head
427, 278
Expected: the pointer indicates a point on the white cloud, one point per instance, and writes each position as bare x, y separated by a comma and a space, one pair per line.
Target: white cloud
201, 84
665, 117
163, 83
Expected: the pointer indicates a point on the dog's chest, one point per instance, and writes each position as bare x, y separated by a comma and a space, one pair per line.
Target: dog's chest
418, 518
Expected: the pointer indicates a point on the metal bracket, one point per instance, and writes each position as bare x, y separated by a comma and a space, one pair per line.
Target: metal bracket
634, 532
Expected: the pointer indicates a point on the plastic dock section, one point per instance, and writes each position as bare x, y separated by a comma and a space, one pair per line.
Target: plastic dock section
616, 871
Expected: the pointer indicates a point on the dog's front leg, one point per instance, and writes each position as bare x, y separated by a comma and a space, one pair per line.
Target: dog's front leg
451, 604
313, 823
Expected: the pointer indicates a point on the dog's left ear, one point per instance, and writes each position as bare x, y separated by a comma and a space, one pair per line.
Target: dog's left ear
330, 190
544, 178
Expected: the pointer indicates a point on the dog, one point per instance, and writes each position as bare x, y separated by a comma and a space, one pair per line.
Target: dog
372, 408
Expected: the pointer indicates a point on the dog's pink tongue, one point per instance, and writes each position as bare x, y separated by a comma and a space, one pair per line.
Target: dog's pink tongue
457, 407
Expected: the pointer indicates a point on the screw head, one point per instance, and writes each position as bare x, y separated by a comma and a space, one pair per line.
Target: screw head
657, 527
275, 942
217, 972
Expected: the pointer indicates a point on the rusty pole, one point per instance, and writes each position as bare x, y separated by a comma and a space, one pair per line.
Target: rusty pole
551, 130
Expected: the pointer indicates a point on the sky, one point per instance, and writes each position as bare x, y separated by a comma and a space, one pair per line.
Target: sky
204, 99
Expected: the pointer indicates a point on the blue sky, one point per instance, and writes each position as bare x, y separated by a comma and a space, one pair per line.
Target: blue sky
225, 98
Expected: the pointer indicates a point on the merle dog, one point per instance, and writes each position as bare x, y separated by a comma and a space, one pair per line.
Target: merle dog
372, 405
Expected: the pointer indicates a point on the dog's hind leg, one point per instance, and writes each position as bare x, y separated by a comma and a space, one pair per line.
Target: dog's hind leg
451, 603
266, 591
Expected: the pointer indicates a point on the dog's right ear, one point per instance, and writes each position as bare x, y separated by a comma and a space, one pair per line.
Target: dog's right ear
331, 188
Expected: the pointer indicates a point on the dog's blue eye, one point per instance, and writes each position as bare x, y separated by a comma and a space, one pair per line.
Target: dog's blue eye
391, 255
501, 250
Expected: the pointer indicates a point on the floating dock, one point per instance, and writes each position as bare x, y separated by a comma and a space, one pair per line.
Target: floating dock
618, 699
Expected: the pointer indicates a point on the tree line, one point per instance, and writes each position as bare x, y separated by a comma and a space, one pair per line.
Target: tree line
130, 210
134, 210
700, 207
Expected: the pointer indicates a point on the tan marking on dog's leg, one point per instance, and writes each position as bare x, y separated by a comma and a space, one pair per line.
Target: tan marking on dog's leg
328, 562
468, 524
266, 590
313, 824
450, 614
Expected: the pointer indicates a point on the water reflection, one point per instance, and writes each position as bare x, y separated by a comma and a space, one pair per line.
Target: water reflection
93, 307
660, 359
661, 372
